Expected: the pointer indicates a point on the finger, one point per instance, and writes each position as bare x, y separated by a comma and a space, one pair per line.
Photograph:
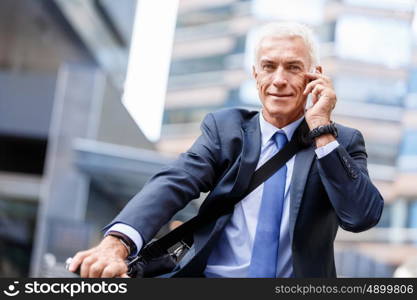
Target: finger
312, 76
315, 76
125, 276
96, 269
313, 99
311, 85
108, 272
121, 269
332, 98
318, 89
115, 269
85, 266
77, 260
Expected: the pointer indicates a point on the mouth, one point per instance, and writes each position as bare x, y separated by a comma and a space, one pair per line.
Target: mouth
281, 95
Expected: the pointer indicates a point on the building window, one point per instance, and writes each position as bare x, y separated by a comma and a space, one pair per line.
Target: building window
385, 220
371, 90
412, 214
374, 40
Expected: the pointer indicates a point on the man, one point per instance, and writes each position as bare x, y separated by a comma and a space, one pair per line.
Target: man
284, 228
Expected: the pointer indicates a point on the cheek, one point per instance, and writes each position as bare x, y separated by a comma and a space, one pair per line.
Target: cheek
263, 86
301, 83
262, 82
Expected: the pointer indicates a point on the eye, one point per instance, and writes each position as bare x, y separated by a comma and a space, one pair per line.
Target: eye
295, 68
267, 67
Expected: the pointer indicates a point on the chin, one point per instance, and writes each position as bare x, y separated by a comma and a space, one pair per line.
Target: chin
278, 110
278, 113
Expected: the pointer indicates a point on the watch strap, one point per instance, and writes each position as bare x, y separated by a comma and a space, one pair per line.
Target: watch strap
125, 240
324, 129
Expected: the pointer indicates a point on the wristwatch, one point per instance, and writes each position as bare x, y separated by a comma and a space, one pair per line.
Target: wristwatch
126, 242
324, 129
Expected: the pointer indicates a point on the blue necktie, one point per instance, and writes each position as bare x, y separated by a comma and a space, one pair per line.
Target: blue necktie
265, 248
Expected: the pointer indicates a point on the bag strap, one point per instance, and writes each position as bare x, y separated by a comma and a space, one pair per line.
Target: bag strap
160, 246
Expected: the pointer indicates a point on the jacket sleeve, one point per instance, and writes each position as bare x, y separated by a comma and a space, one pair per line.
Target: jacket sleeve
357, 202
169, 190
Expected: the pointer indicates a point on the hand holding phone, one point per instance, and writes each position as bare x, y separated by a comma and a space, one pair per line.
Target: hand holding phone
323, 98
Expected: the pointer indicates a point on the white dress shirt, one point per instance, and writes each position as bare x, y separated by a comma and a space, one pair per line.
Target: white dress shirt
232, 254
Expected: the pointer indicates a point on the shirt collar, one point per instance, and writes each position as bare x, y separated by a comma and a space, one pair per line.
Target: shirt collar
268, 130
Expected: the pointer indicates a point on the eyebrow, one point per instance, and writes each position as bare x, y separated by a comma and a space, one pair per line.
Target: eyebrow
267, 61
295, 62
290, 62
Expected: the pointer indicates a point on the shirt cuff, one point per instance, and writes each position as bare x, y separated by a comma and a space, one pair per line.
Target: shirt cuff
326, 149
130, 232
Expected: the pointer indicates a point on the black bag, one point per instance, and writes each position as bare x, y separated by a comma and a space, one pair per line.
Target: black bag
152, 266
161, 256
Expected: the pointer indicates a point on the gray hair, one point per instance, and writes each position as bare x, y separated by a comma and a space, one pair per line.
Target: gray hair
289, 29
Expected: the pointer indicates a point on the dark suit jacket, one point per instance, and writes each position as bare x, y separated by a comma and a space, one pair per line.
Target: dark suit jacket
325, 193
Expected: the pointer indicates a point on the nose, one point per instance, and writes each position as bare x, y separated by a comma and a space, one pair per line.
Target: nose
279, 78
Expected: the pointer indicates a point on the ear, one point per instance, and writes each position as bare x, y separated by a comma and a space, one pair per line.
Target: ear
254, 73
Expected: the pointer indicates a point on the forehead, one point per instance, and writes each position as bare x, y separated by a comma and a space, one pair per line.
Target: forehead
283, 48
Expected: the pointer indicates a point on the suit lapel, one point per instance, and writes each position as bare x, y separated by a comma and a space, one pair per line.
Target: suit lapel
302, 165
251, 148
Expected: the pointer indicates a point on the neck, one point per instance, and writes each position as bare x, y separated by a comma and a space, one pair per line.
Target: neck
281, 122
